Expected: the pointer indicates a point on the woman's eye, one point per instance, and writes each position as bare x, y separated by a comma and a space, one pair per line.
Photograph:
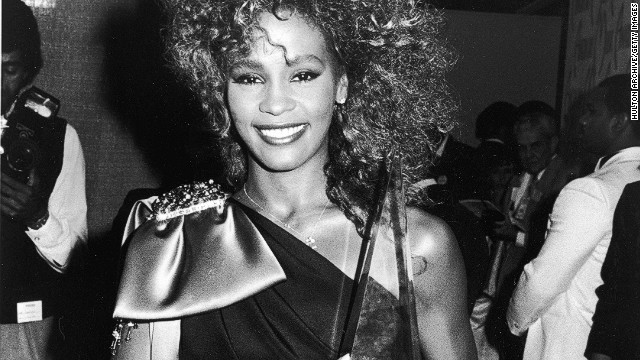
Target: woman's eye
305, 76
247, 80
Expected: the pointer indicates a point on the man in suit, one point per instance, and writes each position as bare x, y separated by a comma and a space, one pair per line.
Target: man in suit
615, 334
453, 177
495, 155
530, 195
454, 169
527, 203
555, 296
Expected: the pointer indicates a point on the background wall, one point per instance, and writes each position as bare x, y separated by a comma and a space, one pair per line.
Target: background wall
503, 57
103, 60
74, 37
598, 44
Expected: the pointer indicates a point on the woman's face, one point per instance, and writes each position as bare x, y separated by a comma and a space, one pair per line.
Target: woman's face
281, 96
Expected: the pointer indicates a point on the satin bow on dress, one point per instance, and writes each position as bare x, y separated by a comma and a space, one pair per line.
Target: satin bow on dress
184, 266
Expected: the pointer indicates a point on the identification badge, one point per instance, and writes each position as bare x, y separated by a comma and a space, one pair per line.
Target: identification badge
521, 209
29, 311
514, 194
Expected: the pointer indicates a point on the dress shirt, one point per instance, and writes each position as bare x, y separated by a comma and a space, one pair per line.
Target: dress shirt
527, 182
555, 297
66, 228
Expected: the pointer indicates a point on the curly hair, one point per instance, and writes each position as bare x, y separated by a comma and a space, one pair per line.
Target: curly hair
392, 52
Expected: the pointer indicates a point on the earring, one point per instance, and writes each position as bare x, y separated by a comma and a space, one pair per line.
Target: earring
340, 112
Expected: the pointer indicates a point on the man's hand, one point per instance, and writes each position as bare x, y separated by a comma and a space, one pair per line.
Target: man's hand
22, 202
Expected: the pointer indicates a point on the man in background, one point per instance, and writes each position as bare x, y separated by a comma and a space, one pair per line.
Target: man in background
454, 170
526, 205
494, 156
555, 297
43, 208
453, 178
530, 196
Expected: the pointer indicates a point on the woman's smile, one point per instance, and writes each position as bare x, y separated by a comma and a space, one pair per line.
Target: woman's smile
282, 94
281, 134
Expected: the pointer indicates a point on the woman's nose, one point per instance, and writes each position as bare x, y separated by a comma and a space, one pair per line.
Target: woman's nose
277, 100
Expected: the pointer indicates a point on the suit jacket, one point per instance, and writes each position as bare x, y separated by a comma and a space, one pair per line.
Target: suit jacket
616, 322
456, 170
494, 161
555, 297
545, 192
492, 153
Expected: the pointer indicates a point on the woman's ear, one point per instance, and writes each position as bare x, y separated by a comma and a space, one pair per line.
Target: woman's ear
342, 90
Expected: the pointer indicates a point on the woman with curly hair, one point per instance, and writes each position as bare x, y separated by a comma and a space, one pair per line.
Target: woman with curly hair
308, 98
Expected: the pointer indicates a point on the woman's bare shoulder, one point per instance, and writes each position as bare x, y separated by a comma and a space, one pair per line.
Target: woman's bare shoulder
429, 235
440, 288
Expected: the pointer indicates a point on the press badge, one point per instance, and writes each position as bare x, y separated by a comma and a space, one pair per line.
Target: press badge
29, 311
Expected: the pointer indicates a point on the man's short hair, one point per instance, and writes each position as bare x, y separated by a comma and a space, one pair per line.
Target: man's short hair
20, 32
617, 97
537, 114
492, 120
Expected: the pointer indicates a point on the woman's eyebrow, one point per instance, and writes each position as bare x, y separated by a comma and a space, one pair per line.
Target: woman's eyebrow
247, 63
292, 61
296, 60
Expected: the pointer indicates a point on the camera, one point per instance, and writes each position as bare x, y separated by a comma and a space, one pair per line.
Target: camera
26, 121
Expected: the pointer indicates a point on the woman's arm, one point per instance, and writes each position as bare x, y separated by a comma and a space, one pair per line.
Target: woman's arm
443, 322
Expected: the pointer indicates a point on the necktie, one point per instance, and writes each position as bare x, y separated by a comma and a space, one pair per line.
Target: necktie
521, 210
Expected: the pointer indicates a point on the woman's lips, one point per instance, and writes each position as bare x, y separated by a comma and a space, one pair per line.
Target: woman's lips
279, 135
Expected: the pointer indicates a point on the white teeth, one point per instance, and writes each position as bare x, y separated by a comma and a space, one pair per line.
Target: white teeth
281, 132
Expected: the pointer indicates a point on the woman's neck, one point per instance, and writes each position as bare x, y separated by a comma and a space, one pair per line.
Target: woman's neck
287, 193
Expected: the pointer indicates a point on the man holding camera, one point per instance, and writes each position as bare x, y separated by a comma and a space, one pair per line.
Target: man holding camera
43, 201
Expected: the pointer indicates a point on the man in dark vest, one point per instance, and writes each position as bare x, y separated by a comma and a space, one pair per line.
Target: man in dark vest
43, 204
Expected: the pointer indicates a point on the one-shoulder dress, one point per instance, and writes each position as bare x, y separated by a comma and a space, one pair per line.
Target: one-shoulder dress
300, 318
236, 286
216, 275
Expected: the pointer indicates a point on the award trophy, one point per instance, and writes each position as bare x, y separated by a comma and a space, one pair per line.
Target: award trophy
382, 322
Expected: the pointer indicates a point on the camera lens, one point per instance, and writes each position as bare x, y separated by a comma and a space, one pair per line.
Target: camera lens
22, 155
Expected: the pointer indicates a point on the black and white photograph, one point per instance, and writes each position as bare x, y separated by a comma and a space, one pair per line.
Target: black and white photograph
319, 179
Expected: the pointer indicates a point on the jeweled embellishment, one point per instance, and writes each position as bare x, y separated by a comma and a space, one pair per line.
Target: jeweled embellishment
119, 333
188, 199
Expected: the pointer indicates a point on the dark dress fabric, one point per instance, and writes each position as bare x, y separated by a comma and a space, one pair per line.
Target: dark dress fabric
300, 318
